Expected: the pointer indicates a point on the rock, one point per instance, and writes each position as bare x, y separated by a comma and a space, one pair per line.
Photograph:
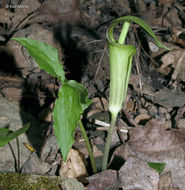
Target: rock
103, 180
72, 184
136, 174
13, 118
155, 142
35, 166
12, 93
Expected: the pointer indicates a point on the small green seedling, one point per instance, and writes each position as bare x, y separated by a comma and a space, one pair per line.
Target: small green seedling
72, 97
7, 135
120, 58
157, 166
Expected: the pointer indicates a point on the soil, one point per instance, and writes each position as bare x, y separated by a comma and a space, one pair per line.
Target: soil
151, 125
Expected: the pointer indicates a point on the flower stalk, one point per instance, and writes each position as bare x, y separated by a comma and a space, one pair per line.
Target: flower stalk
120, 59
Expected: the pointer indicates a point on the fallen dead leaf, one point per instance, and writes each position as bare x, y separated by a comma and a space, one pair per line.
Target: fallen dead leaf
177, 36
169, 99
98, 105
75, 165
155, 136
141, 117
131, 106
175, 59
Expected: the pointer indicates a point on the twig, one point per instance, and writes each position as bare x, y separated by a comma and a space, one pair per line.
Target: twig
99, 64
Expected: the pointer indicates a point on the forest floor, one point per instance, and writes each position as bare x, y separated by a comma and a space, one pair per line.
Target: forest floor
151, 125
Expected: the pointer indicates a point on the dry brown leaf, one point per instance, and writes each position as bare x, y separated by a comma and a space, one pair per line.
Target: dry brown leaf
178, 36
176, 60
74, 167
131, 106
141, 117
81, 146
169, 99
154, 136
98, 105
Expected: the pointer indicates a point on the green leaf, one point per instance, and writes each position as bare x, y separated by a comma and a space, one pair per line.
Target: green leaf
157, 166
45, 55
85, 101
66, 114
6, 135
138, 21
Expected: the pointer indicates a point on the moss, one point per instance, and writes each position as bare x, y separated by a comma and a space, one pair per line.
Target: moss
16, 181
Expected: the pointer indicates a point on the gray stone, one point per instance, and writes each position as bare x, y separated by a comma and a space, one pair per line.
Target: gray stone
13, 118
136, 174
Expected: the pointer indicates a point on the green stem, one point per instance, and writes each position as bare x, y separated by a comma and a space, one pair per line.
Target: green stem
18, 154
108, 141
93, 163
124, 32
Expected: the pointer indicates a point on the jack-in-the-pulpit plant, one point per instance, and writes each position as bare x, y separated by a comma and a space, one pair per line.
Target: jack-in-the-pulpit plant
72, 97
120, 58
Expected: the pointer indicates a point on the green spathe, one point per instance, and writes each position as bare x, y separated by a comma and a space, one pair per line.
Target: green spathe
138, 21
120, 66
